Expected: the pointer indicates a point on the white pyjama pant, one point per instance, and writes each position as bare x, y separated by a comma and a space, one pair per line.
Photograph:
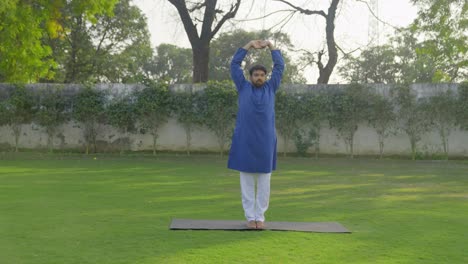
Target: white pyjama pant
254, 203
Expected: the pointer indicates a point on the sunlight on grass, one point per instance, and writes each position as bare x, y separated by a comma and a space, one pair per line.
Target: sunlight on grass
400, 197
414, 177
410, 190
304, 173
373, 174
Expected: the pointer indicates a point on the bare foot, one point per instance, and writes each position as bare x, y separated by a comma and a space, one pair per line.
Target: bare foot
260, 225
251, 224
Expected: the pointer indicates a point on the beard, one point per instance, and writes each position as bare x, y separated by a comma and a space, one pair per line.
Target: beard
258, 83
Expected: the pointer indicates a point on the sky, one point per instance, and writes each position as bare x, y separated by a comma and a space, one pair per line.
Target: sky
306, 31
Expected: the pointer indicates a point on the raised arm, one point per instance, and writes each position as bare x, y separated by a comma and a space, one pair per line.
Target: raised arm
278, 67
237, 74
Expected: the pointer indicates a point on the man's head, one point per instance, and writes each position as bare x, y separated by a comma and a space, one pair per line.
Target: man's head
258, 75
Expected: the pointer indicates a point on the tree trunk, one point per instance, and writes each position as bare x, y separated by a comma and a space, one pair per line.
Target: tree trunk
286, 139
444, 136
349, 138
155, 138
94, 136
188, 133
50, 142
17, 132
381, 145
317, 144
201, 41
413, 148
201, 57
122, 146
326, 71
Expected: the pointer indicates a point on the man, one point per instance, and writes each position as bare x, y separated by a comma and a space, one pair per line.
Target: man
253, 148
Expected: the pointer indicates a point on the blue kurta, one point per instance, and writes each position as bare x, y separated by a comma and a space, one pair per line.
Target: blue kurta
253, 147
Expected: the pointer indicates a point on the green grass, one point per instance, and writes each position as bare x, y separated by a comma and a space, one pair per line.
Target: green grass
74, 209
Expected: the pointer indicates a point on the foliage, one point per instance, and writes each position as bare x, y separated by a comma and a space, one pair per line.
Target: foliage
411, 114
114, 48
462, 109
219, 111
52, 112
442, 27
442, 109
88, 109
312, 112
414, 66
188, 111
171, 64
382, 118
121, 114
19, 109
287, 112
375, 64
24, 58
153, 108
348, 108
23, 24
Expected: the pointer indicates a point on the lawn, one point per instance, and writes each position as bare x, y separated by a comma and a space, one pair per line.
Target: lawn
77, 209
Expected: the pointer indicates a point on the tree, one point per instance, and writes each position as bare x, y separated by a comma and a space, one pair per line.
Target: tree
349, 108
442, 26
171, 64
188, 110
223, 48
219, 110
314, 107
442, 109
88, 109
375, 64
114, 48
411, 115
121, 115
287, 114
52, 112
413, 66
462, 105
311, 111
153, 108
24, 23
326, 70
191, 15
19, 110
382, 118
124, 44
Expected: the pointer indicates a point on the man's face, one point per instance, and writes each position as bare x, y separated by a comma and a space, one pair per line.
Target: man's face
258, 78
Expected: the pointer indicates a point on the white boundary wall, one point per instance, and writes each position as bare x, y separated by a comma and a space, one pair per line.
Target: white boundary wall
172, 135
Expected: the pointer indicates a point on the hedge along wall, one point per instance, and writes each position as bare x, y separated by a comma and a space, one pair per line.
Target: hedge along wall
172, 134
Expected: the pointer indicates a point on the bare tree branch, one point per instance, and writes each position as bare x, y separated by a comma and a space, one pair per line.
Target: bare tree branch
196, 7
200, 42
230, 14
347, 53
190, 28
304, 11
265, 16
283, 21
376, 17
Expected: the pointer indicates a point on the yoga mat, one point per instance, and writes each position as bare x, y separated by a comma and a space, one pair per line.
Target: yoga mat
321, 227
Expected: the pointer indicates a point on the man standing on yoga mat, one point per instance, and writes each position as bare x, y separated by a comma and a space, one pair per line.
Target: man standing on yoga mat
253, 148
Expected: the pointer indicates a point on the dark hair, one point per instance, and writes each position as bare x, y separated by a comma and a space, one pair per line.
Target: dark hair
257, 67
